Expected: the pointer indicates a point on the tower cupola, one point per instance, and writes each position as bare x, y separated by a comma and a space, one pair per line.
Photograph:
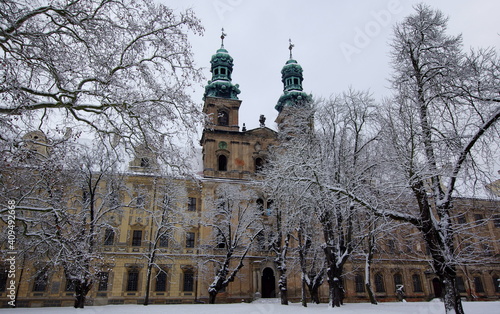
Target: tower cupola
291, 76
221, 68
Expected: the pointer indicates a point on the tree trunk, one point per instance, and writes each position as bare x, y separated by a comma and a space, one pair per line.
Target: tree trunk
81, 290
452, 301
283, 286
314, 292
211, 296
304, 296
371, 295
148, 283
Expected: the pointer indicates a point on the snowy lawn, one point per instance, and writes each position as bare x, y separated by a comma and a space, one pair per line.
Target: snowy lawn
269, 307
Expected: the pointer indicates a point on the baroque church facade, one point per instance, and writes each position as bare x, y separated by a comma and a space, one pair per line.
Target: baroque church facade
233, 156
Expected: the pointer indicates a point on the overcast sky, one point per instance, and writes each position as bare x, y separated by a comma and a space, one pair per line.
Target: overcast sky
338, 43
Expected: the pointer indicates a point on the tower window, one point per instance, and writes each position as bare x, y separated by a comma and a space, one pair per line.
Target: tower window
296, 81
216, 71
222, 163
223, 71
223, 117
259, 164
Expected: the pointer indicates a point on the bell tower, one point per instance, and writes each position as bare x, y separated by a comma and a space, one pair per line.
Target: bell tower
221, 103
293, 97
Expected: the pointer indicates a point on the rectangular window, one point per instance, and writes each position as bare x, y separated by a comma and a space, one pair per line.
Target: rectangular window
133, 280
192, 204
360, 284
379, 283
190, 239
109, 236
478, 284
137, 238
496, 283
417, 284
478, 218
460, 284
461, 219
161, 281
496, 221
188, 281
103, 281
391, 246
164, 240
40, 283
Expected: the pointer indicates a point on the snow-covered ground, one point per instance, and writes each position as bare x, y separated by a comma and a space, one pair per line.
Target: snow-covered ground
270, 306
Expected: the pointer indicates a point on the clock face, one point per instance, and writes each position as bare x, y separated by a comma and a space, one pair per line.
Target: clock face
222, 145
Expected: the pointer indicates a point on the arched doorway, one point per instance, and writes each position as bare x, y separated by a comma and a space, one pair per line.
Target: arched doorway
438, 290
268, 283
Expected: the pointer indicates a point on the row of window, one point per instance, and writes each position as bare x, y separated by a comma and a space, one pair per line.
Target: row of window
40, 282
109, 238
140, 201
417, 283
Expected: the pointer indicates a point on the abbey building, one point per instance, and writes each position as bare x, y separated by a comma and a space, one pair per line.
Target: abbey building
142, 255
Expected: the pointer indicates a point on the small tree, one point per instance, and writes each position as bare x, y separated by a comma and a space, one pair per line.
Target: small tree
236, 220
167, 216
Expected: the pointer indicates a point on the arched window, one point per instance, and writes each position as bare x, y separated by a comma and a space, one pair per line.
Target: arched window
222, 163
379, 283
222, 118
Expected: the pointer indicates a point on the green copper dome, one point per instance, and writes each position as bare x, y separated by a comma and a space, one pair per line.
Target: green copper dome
220, 85
291, 76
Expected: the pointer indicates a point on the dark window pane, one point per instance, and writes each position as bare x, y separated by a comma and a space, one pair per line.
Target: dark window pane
190, 239
161, 281
137, 238
188, 281
417, 284
109, 236
133, 280
478, 284
192, 204
360, 284
103, 281
379, 283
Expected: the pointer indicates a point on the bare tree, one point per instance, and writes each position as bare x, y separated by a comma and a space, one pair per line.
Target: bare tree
121, 68
62, 201
166, 216
439, 131
236, 220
